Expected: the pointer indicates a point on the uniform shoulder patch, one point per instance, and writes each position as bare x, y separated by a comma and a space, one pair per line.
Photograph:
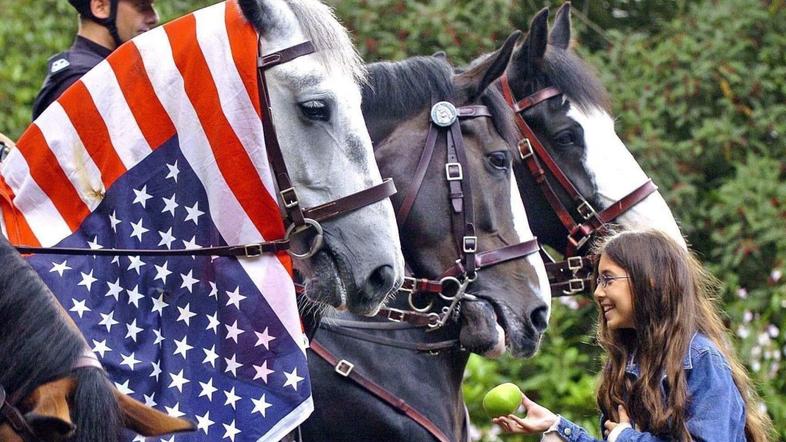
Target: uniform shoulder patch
58, 63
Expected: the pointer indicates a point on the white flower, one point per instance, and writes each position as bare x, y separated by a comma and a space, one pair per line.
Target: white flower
756, 352
570, 302
756, 366
747, 316
773, 330
744, 332
742, 292
768, 355
764, 339
775, 275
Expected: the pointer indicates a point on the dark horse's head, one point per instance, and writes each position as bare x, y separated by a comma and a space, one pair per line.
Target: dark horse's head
511, 305
40, 345
577, 130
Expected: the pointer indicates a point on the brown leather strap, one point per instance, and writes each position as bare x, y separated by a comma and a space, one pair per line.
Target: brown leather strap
417, 179
497, 256
285, 55
352, 202
346, 369
275, 157
10, 414
421, 285
248, 250
410, 317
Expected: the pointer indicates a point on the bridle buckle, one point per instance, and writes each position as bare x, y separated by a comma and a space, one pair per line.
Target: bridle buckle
411, 288
575, 263
470, 244
454, 171
252, 250
574, 286
396, 315
344, 367
525, 152
586, 210
289, 197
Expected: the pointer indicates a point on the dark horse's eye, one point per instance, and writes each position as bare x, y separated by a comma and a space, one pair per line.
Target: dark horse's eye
499, 159
565, 138
316, 110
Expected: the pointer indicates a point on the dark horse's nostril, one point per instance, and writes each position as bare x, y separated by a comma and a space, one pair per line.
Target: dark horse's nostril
539, 318
380, 282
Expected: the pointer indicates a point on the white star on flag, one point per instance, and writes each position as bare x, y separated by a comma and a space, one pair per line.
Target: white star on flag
79, 307
235, 297
262, 372
60, 268
129, 360
188, 281
204, 422
101, 348
87, 280
292, 379
108, 320
207, 389
264, 339
260, 405
166, 238
194, 213
134, 296
173, 171
133, 330
170, 205
210, 356
185, 314
232, 398
231, 431
182, 347
124, 388
232, 365
141, 196
178, 380
233, 331
114, 289
138, 229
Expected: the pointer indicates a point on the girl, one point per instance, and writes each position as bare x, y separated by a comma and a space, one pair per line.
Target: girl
670, 373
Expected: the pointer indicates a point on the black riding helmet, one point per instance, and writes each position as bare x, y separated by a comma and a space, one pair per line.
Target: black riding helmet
83, 7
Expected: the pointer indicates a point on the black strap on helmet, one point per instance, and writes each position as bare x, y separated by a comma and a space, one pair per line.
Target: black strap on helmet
83, 6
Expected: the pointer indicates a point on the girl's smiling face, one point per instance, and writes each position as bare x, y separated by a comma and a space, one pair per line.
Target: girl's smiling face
614, 295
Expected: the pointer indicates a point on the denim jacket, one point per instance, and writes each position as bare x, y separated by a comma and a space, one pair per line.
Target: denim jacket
716, 411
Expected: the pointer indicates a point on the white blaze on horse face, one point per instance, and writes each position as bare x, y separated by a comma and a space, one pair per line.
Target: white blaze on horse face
521, 224
616, 173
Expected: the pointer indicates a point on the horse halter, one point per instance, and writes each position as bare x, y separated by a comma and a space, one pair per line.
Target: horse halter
446, 117
11, 414
299, 219
591, 221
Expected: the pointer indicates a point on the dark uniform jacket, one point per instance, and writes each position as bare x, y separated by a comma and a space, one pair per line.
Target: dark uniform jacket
67, 67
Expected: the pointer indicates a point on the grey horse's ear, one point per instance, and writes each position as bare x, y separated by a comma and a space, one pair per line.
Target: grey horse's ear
476, 79
528, 56
259, 14
560, 33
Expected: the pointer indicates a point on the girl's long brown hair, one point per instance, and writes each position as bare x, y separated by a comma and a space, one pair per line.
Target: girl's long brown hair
673, 297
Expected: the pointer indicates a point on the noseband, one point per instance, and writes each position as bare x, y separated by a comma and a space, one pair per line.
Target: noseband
297, 219
571, 276
11, 414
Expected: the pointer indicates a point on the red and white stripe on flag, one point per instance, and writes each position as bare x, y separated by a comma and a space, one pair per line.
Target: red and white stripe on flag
194, 78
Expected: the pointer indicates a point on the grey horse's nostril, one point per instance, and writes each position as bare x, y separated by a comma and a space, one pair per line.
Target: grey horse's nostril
540, 318
380, 282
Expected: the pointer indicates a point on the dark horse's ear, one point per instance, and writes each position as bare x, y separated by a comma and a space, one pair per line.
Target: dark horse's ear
560, 32
259, 13
476, 79
528, 56
148, 421
50, 415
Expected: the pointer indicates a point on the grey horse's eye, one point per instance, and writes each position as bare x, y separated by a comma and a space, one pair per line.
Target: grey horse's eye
499, 159
315, 110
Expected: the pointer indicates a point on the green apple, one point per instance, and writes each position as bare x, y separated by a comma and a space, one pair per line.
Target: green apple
502, 400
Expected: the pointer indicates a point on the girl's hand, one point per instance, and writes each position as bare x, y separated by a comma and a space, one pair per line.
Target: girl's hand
538, 420
610, 425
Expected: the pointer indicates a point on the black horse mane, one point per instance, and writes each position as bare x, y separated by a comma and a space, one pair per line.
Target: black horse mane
38, 346
576, 79
400, 89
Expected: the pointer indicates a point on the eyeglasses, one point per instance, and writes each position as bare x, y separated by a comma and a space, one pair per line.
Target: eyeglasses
605, 280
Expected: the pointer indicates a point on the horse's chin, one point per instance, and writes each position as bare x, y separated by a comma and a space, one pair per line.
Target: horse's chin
491, 329
324, 283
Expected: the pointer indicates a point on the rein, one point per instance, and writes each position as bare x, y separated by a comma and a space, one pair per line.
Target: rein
572, 276
298, 219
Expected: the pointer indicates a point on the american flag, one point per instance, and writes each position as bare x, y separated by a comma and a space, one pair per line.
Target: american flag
160, 147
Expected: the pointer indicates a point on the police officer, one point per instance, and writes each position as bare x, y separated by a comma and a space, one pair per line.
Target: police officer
103, 26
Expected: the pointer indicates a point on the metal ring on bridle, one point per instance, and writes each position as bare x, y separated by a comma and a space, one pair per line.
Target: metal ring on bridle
451, 280
316, 244
416, 308
444, 114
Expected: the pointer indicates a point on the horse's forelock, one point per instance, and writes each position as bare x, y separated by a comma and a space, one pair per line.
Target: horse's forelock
576, 79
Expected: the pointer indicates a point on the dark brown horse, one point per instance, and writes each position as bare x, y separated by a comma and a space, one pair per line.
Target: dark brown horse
507, 305
53, 386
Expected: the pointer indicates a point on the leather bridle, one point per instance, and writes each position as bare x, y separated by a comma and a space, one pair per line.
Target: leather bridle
453, 282
297, 218
572, 276
11, 414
